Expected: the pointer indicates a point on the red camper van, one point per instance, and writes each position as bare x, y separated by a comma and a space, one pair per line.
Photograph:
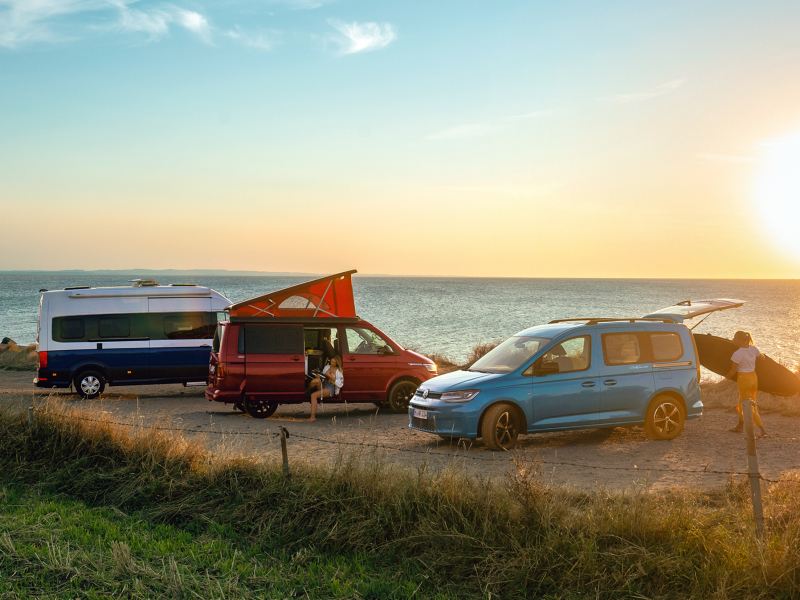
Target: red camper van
263, 354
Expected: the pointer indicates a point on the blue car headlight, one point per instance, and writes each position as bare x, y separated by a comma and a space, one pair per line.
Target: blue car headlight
459, 395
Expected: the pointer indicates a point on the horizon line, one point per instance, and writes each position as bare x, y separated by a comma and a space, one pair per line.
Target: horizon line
256, 273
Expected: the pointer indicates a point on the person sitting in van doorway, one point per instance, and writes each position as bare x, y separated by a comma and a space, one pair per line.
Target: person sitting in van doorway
328, 385
743, 371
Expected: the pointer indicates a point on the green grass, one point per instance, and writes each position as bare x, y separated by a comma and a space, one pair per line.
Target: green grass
56, 546
365, 529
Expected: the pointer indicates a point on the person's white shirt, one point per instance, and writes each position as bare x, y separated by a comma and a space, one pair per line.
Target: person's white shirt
339, 378
745, 359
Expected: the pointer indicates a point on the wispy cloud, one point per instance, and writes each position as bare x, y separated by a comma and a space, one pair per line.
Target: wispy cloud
661, 89
34, 21
260, 40
156, 22
727, 158
464, 131
358, 37
26, 21
489, 127
536, 114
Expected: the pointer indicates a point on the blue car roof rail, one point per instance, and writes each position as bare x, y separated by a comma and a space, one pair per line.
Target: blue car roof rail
596, 320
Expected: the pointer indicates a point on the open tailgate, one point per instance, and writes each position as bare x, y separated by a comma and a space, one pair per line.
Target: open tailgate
689, 309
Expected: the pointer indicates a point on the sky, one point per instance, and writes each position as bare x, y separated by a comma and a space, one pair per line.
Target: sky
453, 138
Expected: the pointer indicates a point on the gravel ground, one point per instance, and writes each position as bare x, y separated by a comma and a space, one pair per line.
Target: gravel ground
612, 459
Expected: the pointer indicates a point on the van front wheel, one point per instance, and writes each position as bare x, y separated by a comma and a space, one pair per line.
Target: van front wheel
665, 418
260, 408
500, 427
400, 395
89, 384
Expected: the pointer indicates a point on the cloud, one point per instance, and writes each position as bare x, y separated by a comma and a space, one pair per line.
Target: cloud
489, 127
660, 90
536, 114
728, 158
156, 22
260, 40
194, 22
26, 21
358, 37
36, 21
464, 131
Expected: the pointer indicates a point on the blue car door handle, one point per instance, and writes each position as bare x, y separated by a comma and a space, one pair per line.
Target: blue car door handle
610, 382
588, 384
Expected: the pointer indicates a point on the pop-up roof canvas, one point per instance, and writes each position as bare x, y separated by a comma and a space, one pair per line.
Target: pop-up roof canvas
324, 298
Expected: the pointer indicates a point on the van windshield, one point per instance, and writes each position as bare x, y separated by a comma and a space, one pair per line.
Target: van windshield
510, 355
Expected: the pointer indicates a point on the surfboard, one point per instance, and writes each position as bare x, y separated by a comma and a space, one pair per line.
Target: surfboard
715, 355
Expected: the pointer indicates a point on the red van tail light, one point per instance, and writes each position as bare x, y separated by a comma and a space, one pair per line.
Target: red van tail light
43, 359
221, 371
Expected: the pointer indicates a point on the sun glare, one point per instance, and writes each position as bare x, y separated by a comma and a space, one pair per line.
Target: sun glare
777, 191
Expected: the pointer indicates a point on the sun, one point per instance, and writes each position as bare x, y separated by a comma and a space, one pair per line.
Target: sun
777, 191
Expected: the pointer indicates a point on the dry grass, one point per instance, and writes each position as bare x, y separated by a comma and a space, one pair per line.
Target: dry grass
460, 537
447, 364
18, 358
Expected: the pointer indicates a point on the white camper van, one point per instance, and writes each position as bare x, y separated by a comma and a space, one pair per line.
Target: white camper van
144, 333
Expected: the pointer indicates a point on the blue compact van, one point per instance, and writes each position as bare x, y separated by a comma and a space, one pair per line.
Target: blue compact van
574, 374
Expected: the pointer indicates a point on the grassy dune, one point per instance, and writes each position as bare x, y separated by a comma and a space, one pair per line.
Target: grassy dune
182, 518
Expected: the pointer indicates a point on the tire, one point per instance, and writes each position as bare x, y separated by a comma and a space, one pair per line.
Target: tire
260, 408
665, 418
400, 395
500, 427
89, 384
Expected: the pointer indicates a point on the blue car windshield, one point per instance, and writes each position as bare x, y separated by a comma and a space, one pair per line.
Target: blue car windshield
510, 355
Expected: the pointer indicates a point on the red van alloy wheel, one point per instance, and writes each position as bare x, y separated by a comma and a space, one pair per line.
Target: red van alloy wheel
260, 408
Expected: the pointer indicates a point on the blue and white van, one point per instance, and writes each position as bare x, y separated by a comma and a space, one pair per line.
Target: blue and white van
140, 334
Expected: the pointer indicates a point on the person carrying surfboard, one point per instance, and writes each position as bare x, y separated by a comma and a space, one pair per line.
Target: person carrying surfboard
743, 371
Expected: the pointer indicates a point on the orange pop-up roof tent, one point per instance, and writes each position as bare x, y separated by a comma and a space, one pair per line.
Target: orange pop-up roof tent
323, 298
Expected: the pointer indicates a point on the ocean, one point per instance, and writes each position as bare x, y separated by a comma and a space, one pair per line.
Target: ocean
450, 315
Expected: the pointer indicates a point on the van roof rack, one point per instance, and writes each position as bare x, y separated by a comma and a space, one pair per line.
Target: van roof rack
144, 282
596, 320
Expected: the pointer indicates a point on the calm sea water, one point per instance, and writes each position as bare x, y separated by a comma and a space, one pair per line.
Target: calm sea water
449, 316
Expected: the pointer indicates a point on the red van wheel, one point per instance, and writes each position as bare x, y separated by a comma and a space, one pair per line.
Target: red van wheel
400, 395
260, 408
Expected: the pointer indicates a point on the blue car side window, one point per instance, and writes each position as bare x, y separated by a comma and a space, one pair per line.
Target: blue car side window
570, 356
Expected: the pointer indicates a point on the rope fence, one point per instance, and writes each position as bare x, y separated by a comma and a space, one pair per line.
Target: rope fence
283, 433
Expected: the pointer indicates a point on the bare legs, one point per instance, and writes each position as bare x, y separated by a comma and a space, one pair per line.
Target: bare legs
317, 393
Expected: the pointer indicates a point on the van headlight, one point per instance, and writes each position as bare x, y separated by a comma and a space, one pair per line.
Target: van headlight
432, 367
459, 395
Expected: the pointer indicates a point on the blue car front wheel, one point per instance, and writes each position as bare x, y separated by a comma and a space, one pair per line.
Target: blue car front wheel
500, 427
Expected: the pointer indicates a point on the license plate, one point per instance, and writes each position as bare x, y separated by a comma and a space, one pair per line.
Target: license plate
420, 414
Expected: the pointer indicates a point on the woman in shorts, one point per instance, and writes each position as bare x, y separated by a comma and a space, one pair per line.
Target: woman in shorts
743, 370
327, 385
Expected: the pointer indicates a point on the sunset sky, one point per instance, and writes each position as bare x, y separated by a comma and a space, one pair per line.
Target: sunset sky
535, 139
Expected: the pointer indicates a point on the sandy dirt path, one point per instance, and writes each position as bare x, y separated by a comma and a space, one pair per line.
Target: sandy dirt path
615, 459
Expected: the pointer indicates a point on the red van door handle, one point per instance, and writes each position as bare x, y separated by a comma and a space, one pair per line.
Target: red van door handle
296, 358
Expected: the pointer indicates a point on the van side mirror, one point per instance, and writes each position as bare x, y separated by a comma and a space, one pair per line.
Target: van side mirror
542, 368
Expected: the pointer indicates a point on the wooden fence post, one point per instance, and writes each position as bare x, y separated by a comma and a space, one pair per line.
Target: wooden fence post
752, 468
30, 415
285, 453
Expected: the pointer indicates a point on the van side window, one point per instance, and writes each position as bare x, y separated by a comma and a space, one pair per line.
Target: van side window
273, 339
365, 341
621, 349
666, 346
570, 355
114, 327
188, 326
70, 329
